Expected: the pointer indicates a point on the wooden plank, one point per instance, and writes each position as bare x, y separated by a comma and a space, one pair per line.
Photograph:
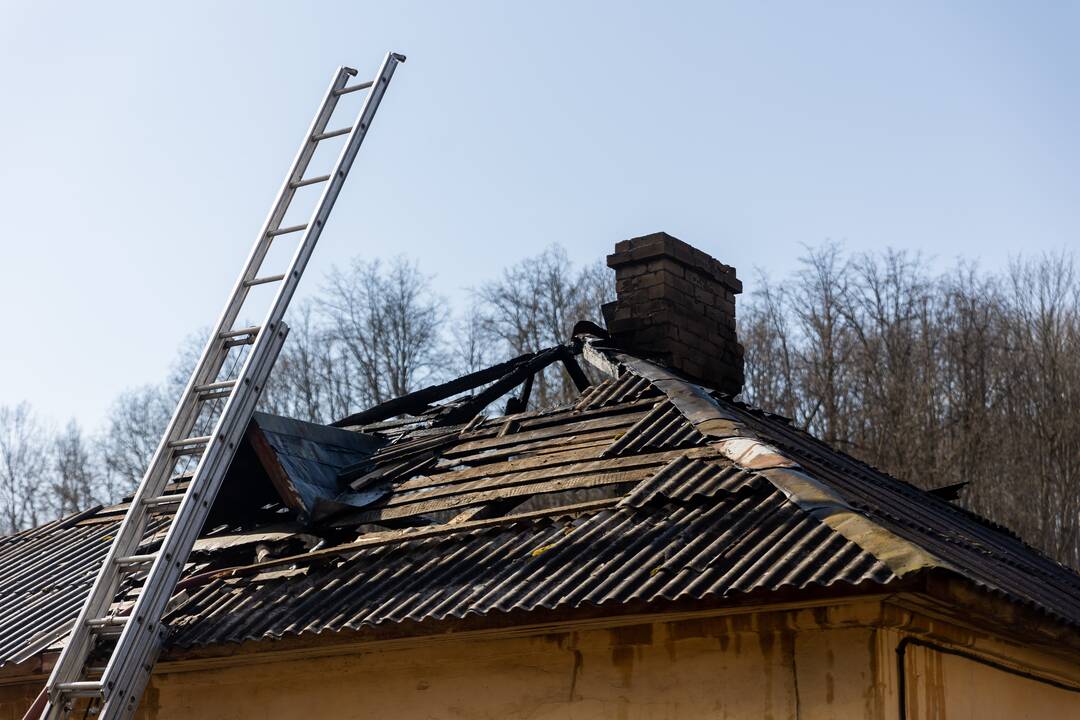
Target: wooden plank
569, 464
548, 433
552, 460
534, 448
401, 451
602, 442
392, 537
561, 416
524, 491
404, 496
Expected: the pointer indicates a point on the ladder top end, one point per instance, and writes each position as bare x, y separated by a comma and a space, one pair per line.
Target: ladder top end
349, 70
398, 56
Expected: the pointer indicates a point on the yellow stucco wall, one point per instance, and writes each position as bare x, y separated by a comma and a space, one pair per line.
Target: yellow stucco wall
701, 669
983, 680
798, 664
947, 686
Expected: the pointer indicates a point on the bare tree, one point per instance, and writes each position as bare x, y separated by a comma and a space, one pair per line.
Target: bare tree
471, 349
24, 455
535, 304
311, 379
386, 323
132, 431
76, 484
958, 377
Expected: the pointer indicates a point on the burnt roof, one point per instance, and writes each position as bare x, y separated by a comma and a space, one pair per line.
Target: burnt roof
647, 489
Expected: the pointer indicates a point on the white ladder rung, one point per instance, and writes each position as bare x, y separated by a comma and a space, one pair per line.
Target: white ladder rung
239, 333
353, 88
309, 181
190, 442
163, 500
263, 280
286, 230
83, 688
330, 133
219, 385
217, 394
134, 560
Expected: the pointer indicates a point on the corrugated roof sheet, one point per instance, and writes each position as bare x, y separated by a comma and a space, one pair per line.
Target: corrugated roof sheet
737, 542
979, 550
45, 574
646, 489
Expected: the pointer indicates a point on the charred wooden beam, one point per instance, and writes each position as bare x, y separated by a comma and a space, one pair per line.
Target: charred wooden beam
573, 369
500, 387
416, 402
520, 402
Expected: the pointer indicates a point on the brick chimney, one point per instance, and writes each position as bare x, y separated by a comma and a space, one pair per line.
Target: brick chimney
677, 304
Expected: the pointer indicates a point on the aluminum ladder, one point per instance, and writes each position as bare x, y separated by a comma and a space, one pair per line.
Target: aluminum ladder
214, 398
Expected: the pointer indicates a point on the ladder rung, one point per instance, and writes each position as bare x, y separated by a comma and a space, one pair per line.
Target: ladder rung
309, 181
353, 88
110, 621
331, 133
219, 385
237, 333
163, 500
190, 442
82, 688
218, 394
264, 280
132, 560
286, 230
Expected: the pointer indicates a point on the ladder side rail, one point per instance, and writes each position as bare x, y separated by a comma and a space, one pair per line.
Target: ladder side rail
285, 194
106, 584
333, 188
215, 350
130, 533
145, 638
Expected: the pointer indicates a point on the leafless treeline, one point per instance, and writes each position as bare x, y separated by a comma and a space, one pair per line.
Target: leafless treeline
375, 330
965, 376
961, 377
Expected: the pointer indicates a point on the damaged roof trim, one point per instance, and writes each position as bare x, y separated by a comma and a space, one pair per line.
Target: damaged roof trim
740, 445
900, 555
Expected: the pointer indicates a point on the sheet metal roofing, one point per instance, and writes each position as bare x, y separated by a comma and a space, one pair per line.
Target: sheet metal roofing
647, 490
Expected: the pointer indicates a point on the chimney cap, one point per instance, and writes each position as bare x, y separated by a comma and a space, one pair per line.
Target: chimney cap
660, 244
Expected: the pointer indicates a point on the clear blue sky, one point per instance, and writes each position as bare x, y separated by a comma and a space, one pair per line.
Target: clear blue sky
142, 144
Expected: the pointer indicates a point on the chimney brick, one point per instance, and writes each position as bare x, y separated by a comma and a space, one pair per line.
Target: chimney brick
677, 304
